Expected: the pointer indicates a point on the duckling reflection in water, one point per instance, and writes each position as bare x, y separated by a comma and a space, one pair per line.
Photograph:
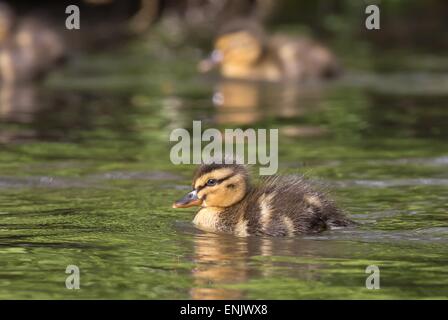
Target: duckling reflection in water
278, 206
242, 51
222, 261
241, 102
213, 255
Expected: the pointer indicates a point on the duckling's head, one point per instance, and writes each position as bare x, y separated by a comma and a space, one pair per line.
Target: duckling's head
40, 40
216, 185
237, 46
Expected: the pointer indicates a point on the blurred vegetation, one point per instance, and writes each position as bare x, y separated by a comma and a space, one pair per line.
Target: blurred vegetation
415, 24
413, 33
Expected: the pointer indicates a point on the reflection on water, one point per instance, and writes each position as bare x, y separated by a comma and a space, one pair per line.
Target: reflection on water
17, 102
218, 263
231, 268
223, 260
38, 114
238, 103
247, 103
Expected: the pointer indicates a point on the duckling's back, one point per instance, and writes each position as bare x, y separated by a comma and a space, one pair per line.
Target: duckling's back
286, 206
302, 58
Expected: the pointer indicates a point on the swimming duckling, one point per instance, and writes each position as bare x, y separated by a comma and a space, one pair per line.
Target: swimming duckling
278, 206
244, 52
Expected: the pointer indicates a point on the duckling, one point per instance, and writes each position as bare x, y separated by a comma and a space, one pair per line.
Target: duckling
7, 20
244, 52
278, 206
28, 48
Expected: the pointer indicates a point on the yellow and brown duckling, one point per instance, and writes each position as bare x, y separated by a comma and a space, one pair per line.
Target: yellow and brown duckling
242, 51
278, 206
28, 47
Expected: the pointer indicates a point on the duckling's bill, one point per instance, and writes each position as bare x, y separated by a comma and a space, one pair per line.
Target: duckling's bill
191, 199
211, 62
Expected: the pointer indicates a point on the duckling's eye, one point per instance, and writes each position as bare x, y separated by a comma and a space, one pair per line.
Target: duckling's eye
211, 182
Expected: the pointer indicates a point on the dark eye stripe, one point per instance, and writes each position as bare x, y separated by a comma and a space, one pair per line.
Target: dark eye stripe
218, 181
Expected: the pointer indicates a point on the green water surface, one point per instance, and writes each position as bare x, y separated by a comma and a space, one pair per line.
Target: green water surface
86, 180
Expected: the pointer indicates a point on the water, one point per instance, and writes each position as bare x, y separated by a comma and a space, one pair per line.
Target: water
85, 179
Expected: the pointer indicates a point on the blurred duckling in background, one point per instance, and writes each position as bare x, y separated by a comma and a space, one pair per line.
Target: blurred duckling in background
28, 47
242, 51
7, 20
278, 206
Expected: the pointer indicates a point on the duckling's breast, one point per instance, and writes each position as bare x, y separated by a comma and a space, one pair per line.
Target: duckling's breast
208, 219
